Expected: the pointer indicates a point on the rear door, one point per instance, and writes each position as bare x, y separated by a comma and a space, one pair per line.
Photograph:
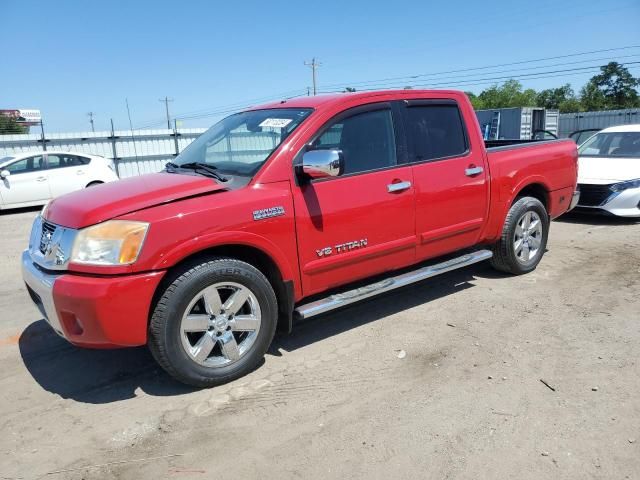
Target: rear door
362, 222
450, 177
27, 183
66, 173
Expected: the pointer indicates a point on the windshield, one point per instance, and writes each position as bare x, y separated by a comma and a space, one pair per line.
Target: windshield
241, 143
4, 160
612, 144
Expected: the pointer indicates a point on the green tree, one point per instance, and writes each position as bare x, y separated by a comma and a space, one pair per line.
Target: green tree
562, 98
509, 94
8, 126
475, 101
613, 88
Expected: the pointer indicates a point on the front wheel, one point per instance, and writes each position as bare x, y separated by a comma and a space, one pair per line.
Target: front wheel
524, 237
214, 322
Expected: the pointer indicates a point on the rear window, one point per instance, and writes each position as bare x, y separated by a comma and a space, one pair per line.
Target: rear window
436, 131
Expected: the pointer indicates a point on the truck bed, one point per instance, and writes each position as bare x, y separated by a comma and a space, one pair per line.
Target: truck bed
513, 143
514, 160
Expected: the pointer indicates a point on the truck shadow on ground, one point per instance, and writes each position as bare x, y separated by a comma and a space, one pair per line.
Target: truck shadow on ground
105, 376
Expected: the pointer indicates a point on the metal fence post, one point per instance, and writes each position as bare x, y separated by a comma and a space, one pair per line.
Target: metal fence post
42, 137
175, 137
114, 150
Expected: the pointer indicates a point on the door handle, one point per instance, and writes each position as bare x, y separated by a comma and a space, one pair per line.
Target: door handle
398, 187
80, 172
472, 171
41, 179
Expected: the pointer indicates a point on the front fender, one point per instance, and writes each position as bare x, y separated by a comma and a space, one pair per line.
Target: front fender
219, 239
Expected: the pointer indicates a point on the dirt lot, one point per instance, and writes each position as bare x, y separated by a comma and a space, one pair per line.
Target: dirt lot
335, 400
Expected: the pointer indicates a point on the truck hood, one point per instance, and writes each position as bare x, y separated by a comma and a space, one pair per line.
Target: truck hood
104, 202
605, 170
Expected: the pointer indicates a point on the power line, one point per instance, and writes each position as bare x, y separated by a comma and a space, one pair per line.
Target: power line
314, 64
207, 112
521, 62
242, 105
410, 80
547, 74
508, 70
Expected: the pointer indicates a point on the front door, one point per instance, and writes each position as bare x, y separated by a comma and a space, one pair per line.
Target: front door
450, 177
362, 222
27, 184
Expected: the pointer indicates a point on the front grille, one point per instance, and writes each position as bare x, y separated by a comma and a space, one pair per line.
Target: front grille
48, 230
593, 195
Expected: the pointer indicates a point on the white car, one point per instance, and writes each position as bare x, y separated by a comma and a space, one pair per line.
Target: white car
609, 171
31, 179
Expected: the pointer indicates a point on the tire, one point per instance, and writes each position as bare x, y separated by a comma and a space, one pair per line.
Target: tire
93, 184
239, 330
519, 258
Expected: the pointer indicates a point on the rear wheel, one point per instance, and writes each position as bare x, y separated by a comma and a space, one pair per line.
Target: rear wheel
524, 237
214, 322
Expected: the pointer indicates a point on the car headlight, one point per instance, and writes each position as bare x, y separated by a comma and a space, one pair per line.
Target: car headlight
619, 187
116, 242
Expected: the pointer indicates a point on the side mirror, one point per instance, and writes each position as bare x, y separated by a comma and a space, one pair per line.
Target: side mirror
322, 164
4, 173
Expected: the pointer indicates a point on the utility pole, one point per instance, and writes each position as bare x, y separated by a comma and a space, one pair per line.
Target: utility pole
314, 64
90, 114
44, 140
166, 101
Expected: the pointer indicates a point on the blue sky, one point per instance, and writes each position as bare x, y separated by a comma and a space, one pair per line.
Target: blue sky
71, 57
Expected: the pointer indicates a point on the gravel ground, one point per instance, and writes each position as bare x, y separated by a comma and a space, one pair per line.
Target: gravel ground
439, 380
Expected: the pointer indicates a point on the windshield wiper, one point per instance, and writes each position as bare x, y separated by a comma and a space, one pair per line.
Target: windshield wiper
198, 167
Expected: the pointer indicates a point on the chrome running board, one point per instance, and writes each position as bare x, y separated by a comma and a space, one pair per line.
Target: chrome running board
341, 299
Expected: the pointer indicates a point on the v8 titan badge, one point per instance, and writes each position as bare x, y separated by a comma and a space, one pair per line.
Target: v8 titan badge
342, 247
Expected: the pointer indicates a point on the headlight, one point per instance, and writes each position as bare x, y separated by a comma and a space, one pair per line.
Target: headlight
116, 242
619, 187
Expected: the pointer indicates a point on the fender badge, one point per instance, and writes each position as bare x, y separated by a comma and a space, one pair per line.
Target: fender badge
268, 213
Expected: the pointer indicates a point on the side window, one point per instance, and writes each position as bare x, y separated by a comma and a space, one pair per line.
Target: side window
366, 139
436, 131
55, 161
64, 160
30, 164
78, 160
75, 160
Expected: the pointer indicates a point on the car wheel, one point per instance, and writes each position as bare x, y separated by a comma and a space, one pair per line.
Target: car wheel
524, 237
93, 184
214, 322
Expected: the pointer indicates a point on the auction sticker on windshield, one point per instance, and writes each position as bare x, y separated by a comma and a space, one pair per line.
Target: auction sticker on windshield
276, 122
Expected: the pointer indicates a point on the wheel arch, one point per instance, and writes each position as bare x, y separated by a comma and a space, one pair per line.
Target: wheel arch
536, 190
282, 284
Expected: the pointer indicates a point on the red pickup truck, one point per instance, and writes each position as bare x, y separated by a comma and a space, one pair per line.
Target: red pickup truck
286, 211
